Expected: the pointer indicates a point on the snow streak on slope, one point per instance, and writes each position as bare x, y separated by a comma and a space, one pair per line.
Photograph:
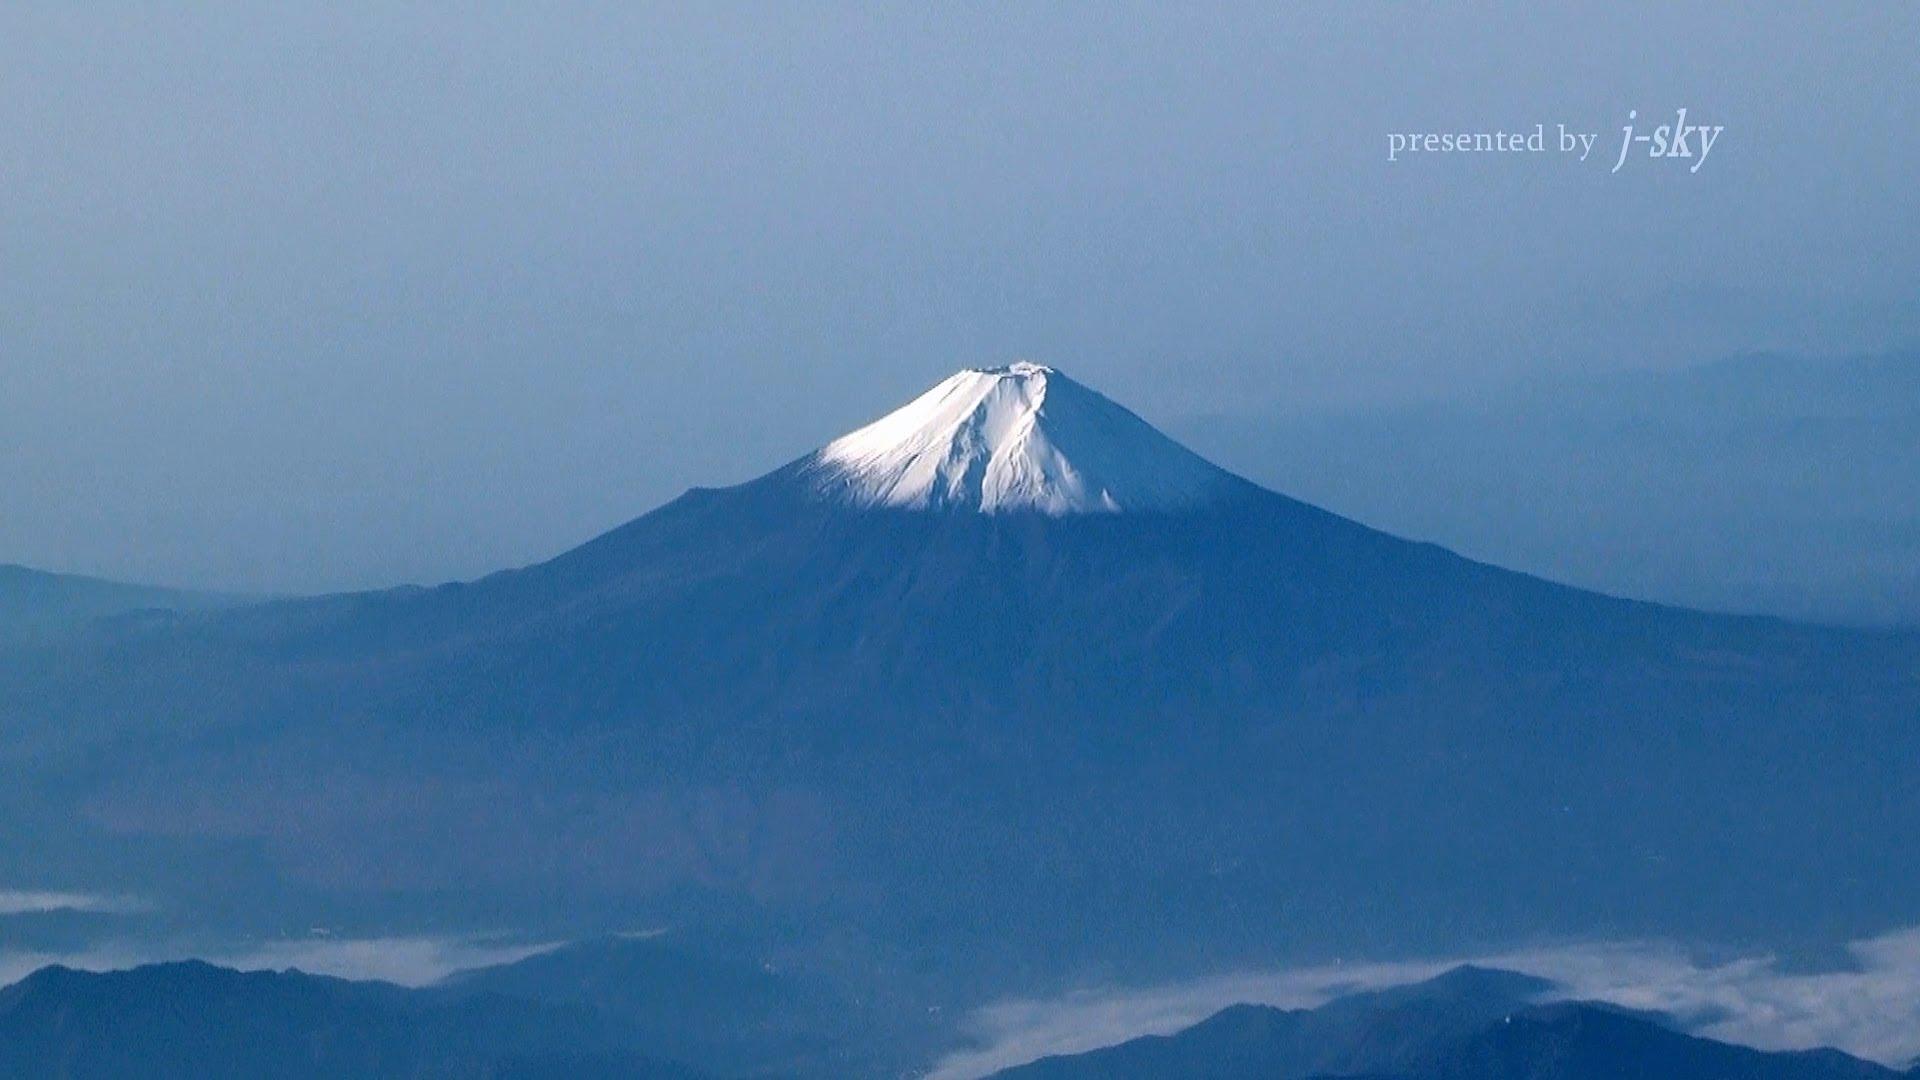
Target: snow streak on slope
1016, 438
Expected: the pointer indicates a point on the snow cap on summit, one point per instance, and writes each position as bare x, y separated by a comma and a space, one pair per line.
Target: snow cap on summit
1017, 438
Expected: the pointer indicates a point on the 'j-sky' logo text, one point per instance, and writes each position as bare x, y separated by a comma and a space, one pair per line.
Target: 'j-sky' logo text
1680, 141
1675, 140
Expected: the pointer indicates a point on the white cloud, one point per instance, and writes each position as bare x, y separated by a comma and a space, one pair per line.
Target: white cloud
1871, 1009
42, 901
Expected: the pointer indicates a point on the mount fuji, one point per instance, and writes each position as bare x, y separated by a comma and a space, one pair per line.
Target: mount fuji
1012, 439
1003, 688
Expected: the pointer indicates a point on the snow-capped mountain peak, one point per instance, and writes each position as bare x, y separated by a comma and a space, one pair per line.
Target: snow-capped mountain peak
1017, 438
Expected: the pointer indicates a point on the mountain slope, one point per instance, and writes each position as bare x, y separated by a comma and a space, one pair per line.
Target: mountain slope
987, 749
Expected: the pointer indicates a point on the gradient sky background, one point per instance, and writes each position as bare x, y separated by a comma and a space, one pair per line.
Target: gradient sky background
332, 296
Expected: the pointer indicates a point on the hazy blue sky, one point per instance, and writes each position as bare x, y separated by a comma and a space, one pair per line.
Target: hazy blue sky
339, 296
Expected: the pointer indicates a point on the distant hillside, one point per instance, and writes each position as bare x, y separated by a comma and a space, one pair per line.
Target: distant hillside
194, 1020
35, 603
726, 1013
1771, 484
1466, 1025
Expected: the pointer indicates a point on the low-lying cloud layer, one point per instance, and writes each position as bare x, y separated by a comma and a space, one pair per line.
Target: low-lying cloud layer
1870, 1008
44, 901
